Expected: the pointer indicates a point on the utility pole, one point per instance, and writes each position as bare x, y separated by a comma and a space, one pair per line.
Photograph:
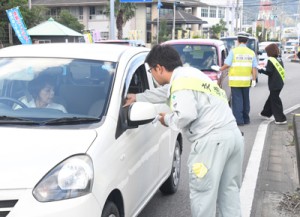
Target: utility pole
174, 18
237, 16
112, 20
29, 4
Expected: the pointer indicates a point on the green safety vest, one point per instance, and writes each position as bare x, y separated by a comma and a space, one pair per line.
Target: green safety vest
278, 67
208, 87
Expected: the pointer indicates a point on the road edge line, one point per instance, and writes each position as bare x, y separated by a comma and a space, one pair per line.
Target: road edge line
250, 178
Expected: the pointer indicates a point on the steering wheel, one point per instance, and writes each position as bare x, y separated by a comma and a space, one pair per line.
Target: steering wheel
9, 99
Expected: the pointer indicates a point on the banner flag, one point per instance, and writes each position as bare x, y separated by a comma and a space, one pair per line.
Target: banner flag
16, 21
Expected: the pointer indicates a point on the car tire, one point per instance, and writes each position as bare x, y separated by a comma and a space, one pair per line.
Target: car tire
170, 186
110, 210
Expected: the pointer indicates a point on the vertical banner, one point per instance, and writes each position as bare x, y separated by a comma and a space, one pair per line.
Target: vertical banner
16, 21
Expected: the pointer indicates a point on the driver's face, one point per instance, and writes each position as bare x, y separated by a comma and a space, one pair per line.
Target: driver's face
46, 94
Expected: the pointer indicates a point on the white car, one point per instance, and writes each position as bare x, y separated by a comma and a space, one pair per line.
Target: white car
290, 46
97, 159
262, 54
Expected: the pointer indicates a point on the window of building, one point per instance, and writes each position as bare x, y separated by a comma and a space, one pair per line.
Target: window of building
45, 41
204, 12
213, 12
54, 13
221, 13
104, 35
98, 13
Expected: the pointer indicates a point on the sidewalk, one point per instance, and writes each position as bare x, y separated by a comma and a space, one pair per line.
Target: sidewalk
277, 192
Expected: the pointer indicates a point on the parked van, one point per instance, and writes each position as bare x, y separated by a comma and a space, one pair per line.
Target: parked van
290, 46
231, 42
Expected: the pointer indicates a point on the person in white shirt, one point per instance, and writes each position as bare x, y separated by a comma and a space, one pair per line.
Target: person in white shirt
42, 91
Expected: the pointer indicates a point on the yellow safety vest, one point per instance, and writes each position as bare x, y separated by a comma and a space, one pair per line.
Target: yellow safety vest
240, 72
197, 85
278, 67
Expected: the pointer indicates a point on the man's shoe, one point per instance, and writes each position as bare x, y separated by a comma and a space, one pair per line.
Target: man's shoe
264, 117
280, 122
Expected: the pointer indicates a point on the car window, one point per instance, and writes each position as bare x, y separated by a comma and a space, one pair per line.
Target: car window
198, 56
136, 81
72, 87
232, 42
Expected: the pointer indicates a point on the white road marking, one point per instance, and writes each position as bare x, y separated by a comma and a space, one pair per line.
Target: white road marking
251, 174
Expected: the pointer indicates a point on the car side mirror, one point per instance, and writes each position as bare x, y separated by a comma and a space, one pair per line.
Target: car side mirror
140, 113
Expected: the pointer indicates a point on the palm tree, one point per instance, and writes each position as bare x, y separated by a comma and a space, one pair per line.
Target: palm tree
123, 13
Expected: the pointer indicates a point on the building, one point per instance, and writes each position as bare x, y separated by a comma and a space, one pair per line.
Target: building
229, 10
93, 14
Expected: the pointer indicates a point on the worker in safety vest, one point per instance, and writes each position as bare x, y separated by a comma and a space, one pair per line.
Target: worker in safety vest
242, 64
276, 73
199, 108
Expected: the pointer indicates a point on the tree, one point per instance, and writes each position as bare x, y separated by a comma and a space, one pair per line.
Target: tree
30, 17
218, 28
123, 13
67, 19
164, 32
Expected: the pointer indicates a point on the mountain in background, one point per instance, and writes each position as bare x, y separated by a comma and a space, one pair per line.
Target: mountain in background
251, 8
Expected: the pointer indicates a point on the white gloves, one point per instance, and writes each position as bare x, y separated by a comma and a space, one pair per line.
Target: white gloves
261, 68
215, 68
253, 83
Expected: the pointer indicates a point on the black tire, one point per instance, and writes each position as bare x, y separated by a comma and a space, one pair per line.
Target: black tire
170, 186
110, 210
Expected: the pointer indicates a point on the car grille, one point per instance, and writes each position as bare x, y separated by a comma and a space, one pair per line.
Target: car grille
6, 206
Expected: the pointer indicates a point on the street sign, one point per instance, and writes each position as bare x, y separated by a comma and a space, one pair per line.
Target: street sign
135, 1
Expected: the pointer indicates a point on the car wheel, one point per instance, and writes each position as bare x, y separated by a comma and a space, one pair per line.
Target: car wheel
110, 210
170, 186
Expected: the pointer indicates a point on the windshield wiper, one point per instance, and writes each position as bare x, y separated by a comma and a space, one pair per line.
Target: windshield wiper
15, 120
71, 120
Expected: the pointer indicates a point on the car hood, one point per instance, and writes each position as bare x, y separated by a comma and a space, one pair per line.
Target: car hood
26, 155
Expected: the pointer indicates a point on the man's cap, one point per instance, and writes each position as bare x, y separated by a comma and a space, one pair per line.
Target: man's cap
243, 35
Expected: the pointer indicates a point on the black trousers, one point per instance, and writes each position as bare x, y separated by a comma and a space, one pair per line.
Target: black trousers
273, 106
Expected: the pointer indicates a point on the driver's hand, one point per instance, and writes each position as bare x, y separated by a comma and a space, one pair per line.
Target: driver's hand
130, 98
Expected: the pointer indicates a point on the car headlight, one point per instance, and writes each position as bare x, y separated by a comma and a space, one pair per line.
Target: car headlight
71, 178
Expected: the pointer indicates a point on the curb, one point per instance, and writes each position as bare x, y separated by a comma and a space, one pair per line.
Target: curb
296, 127
251, 180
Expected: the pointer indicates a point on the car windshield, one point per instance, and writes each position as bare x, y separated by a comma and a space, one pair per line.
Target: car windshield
198, 56
43, 90
290, 44
232, 42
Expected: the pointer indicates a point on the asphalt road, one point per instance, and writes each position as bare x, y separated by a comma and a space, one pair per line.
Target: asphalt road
178, 205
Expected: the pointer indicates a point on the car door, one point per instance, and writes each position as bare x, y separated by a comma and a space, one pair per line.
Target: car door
140, 144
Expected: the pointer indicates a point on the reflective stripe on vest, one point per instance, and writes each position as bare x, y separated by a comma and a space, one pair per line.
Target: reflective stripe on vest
240, 72
198, 85
278, 67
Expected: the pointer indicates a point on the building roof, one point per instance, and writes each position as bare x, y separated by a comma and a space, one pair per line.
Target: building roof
52, 28
181, 17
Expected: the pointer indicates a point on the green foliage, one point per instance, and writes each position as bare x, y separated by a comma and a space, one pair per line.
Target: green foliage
123, 13
67, 19
218, 28
163, 32
196, 36
30, 17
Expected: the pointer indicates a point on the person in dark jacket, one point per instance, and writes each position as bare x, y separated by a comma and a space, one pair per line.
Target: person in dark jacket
276, 73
